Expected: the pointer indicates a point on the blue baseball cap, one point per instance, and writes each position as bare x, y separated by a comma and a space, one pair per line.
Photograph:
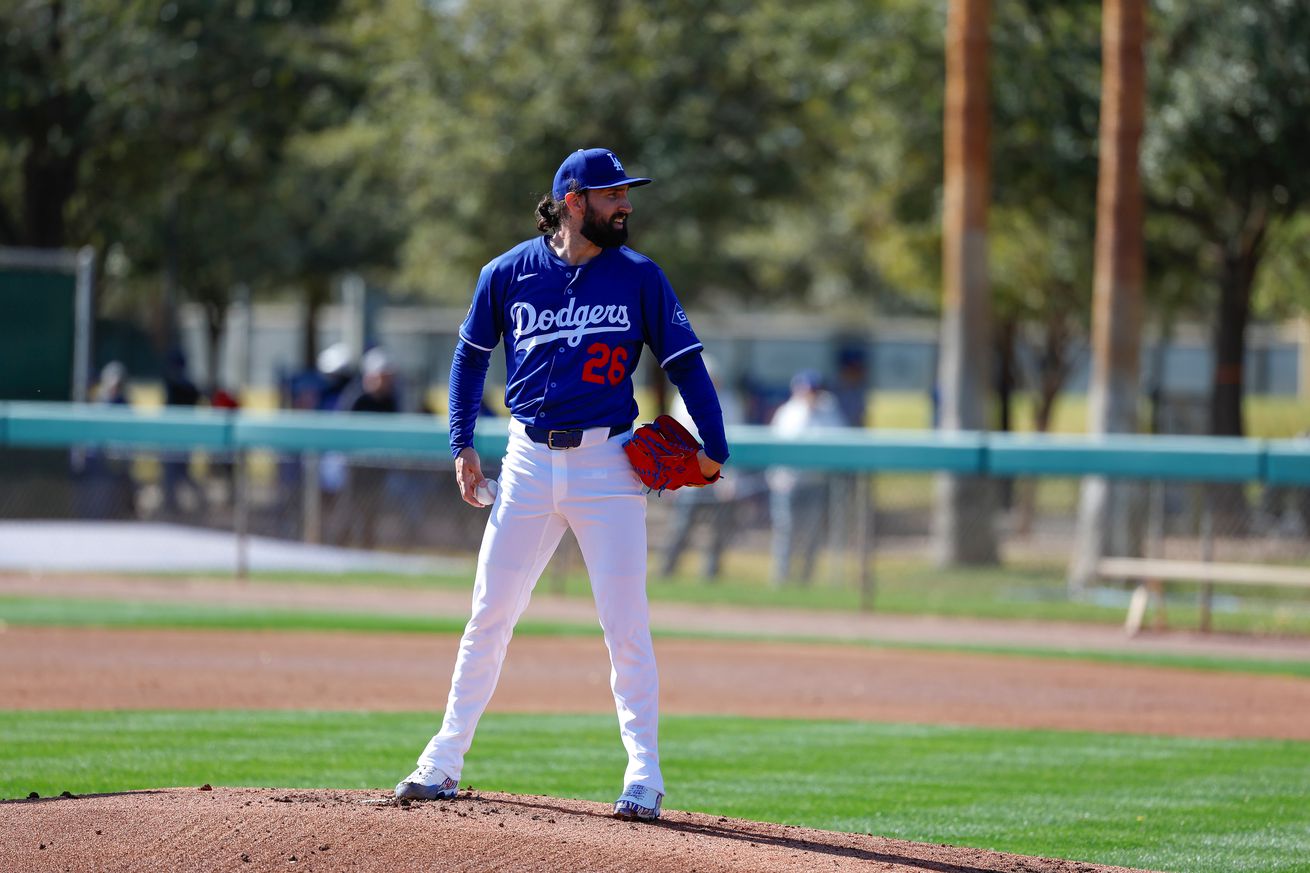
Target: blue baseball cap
809, 380
593, 168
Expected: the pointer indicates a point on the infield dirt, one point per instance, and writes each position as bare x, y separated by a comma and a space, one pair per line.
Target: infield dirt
91, 668
268, 829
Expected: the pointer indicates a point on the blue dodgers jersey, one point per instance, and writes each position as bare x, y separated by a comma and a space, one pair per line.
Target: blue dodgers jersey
573, 334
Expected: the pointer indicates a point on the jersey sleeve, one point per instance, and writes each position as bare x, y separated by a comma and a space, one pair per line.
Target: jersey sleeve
468, 376
667, 329
483, 325
696, 390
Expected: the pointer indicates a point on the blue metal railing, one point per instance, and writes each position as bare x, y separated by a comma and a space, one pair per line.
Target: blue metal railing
1283, 462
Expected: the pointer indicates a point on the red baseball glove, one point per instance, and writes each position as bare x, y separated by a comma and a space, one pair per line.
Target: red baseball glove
664, 455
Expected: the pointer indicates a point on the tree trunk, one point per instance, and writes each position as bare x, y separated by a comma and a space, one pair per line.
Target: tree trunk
1053, 369
1155, 391
167, 335
964, 522
1053, 365
1231, 508
48, 184
317, 290
1007, 335
50, 166
215, 306
1234, 314
1105, 518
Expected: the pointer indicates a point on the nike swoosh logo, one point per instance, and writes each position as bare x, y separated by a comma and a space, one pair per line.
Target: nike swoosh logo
523, 276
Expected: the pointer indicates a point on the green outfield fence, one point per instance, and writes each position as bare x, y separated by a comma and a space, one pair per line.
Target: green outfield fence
1210, 459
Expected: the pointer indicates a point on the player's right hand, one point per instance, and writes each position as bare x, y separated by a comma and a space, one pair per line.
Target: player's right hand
468, 474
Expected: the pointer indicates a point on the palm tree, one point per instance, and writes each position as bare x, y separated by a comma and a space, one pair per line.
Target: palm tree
963, 522
1118, 279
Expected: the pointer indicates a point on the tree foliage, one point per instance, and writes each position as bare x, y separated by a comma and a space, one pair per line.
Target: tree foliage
166, 132
796, 147
761, 122
1225, 157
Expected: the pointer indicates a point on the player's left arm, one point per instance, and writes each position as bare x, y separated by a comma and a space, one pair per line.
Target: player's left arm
687, 372
669, 334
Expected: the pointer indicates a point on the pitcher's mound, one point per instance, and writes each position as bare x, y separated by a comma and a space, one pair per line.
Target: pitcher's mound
251, 829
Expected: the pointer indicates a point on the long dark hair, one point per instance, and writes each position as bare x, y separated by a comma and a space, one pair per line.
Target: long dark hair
550, 211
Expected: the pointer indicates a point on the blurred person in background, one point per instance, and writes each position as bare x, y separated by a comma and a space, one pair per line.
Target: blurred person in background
851, 387
103, 486
798, 499
302, 391
179, 390
221, 467
710, 508
851, 390
221, 398
336, 373
112, 388
367, 484
377, 385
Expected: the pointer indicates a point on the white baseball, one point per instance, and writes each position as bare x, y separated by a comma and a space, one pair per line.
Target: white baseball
485, 493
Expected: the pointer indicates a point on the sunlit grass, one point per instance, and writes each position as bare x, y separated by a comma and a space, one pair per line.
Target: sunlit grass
1163, 803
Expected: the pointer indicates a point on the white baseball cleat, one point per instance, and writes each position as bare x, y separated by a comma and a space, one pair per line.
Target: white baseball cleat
637, 802
427, 783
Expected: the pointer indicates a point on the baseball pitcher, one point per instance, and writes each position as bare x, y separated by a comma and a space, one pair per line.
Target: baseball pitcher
574, 308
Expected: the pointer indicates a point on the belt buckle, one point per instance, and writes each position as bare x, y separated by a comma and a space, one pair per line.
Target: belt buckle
567, 437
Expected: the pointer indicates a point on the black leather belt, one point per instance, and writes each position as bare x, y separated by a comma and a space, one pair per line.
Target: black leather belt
565, 439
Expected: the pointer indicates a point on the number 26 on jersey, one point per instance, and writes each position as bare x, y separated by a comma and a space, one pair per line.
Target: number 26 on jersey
605, 364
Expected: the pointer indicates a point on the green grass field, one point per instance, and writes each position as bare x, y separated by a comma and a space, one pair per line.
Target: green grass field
68, 612
1018, 590
1161, 803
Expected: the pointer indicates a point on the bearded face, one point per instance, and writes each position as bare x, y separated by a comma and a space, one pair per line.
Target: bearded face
605, 223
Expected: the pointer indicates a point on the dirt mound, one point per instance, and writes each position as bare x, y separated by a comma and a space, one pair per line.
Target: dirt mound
250, 829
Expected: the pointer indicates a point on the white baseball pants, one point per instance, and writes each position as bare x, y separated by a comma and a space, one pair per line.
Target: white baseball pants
592, 490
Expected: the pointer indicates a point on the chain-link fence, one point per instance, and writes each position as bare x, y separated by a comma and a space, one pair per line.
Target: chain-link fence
784, 526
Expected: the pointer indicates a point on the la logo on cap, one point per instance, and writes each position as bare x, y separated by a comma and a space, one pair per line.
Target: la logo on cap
586, 168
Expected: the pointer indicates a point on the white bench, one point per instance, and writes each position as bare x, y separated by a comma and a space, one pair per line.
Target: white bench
1159, 570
